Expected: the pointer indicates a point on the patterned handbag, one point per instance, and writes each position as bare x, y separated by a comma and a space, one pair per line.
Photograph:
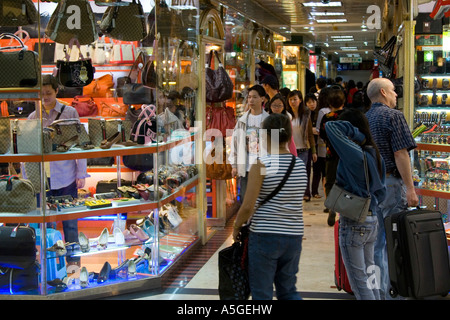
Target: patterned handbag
19, 68
5, 133
15, 13
68, 128
65, 25
26, 136
101, 129
126, 23
17, 195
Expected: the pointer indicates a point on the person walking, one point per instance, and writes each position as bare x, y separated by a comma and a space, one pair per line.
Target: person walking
352, 141
276, 226
279, 106
393, 137
245, 145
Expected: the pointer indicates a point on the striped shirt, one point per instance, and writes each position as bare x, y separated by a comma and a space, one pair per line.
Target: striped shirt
390, 132
283, 214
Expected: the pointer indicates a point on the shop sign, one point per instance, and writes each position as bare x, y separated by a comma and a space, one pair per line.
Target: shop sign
350, 60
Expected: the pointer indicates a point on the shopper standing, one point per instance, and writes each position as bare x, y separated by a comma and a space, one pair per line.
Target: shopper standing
276, 228
303, 134
279, 106
394, 140
336, 101
65, 177
351, 139
245, 145
271, 86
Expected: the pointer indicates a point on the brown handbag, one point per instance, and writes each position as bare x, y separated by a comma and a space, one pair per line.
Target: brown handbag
221, 118
218, 84
113, 110
85, 106
99, 87
218, 171
17, 13
17, 195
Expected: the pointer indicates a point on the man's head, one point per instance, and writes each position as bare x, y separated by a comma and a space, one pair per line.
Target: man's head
255, 97
270, 81
382, 90
336, 99
321, 83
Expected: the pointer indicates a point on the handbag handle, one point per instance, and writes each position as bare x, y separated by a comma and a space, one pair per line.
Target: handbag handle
9, 179
149, 107
217, 56
72, 42
13, 36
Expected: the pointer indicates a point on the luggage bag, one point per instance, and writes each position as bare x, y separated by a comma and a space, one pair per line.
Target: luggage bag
417, 254
340, 273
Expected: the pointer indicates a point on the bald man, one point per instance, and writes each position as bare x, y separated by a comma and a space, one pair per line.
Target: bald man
394, 140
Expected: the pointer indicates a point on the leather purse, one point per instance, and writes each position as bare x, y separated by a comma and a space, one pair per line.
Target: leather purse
220, 118
136, 93
63, 26
5, 133
99, 87
17, 195
67, 128
113, 110
122, 53
18, 68
220, 170
101, 129
126, 23
74, 73
21, 109
348, 204
85, 106
17, 13
218, 84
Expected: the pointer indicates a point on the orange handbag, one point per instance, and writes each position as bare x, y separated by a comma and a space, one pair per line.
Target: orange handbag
99, 87
113, 110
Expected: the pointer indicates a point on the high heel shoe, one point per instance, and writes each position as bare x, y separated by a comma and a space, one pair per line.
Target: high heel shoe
104, 273
131, 268
84, 277
103, 240
113, 274
107, 143
84, 242
59, 248
65, 146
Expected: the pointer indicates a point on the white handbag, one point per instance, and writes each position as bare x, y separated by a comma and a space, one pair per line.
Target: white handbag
123, 53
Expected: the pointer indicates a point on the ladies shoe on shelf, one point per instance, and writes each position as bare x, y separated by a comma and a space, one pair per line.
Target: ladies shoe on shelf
103, 240
84, 242
66, 146
138, 233
131, 268
114, 273
107, 143
104, 273
119, 237
149, 228
84, 277
59, 248
127, 143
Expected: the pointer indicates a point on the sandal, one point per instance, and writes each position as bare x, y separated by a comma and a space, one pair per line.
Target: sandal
306, 198
317, 196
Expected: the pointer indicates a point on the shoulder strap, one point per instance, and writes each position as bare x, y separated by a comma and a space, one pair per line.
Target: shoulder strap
59, 113
278, 188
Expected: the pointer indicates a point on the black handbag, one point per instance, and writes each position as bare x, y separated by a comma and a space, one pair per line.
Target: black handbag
16, 281
78, 73
17, 247
218, 84
136, 93
20, 109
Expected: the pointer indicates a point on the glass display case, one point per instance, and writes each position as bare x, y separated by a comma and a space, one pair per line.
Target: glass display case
98, 193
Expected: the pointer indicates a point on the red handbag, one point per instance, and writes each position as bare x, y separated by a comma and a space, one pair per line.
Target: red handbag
221, 118
85, 105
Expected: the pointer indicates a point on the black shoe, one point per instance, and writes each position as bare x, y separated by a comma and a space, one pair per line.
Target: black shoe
104, 273
331, 218
326, 210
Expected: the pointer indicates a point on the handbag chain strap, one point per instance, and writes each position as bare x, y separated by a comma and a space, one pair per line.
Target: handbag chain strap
366, 172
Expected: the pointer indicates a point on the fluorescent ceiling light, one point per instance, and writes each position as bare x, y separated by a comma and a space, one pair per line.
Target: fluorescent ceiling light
331, 20
341, 37
320, 4
344, 39
327, 13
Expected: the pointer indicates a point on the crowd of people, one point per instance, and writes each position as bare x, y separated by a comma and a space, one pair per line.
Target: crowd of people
330, 131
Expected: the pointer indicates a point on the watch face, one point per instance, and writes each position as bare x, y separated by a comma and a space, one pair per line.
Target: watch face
445, 83
425, 83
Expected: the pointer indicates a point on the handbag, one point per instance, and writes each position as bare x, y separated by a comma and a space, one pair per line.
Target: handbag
348, 204
74, 73
218, 170
144, 129
122, 53
17, 195
26, 136
47, 52
17, 247
66, 23
85, 106
21, 109
218, 84
99, 87
66, 129
18, 68
113, 110
126, 23
187, 79
15, 13
5, 135
137, 93
18, 281
221, 118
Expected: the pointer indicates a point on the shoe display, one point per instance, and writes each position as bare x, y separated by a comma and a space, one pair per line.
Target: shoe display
138, 233
66, 146
84, 242
84, 277
107, 143
119, 237
59, 248
104, 273
103, 240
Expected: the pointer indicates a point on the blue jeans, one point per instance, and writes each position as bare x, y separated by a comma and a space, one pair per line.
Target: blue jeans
357, 243
394, 202
273, 259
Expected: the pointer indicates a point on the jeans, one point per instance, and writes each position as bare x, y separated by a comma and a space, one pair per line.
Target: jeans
306, 157
273, 259
357, 243
394, 202
243, 186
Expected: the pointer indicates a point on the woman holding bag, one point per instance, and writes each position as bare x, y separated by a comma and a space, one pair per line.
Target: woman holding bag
351, 138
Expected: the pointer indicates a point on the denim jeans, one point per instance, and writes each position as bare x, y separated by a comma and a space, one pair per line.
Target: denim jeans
357, 243
394, 202
273, 259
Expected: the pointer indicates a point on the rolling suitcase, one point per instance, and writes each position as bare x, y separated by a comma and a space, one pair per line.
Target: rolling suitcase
340, 273
417, 254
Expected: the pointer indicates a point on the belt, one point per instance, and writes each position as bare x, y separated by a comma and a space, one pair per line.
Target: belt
302, 150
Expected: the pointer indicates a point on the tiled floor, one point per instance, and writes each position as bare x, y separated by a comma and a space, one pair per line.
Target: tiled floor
198, 276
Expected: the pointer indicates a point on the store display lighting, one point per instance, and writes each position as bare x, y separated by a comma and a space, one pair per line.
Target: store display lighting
322, 4
327, 13
331, 20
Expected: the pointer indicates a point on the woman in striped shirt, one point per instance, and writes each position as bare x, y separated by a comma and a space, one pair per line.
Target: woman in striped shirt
276, 228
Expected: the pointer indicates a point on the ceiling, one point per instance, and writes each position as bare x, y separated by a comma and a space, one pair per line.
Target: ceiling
292, 18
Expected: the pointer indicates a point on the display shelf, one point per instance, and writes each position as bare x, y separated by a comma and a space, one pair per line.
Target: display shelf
433, 193
51, 216
20, 93
433, 147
